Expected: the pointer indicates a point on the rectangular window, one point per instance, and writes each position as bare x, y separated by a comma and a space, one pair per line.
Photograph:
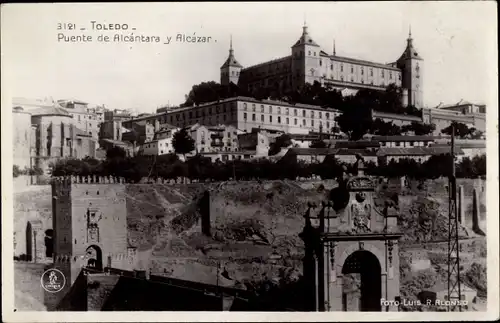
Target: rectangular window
245, 115
320, 114
294, 112
362, 71
312, 123
312, 114
287, 121
295, 121
352, 69
253, 107
390, 75
270, 119
341, 67
253, 116
303, 113
304, 122
262, 117
279, 119
270, 109
327, 114
262, 108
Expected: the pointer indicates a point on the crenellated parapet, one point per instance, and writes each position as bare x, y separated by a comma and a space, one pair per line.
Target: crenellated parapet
90, 179
63, 259
93, 179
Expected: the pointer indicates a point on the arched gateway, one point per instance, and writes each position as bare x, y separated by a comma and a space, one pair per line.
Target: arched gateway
351, 261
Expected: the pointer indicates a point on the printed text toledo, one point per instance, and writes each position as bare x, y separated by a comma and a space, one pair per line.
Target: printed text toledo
119, 33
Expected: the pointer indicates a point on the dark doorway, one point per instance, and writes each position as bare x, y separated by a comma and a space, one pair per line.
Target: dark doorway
29, 242
49, 244
94, 257
362, 288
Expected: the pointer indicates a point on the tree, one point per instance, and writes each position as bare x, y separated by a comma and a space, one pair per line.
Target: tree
116, 153
356, 120
461, 130
318, 144
419, 128
182, 142
382, 128
477, 134
280, 142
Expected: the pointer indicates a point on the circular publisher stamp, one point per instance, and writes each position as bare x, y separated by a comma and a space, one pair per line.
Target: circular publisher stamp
53, 280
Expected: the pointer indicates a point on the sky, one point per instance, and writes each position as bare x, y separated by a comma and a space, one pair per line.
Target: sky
458, 41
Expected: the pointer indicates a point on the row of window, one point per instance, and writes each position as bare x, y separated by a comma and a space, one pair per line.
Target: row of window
89, 117
287, 120
199, 113
286, 111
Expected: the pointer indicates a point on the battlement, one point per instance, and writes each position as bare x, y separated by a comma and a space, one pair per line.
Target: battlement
90, 179
93, 179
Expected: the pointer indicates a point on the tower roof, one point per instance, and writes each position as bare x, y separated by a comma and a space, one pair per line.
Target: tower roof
410, 51
305, 39
231, 60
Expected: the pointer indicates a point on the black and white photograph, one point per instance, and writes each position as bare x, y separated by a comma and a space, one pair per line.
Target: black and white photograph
264, 157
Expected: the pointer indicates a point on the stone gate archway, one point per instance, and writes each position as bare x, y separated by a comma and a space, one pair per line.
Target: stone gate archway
362, 282
93, 255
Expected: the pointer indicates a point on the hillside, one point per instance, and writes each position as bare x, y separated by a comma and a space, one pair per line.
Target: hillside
255, 227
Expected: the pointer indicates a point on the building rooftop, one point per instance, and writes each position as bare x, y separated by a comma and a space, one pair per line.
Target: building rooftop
416, 151
273, 61
311, 151
51, 111
403, 138
460, 103
361, 62
406, 117
305, 39
240, 152
64, 101
410, 51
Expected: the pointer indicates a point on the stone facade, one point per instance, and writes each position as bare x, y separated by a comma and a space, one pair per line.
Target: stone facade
245, 114
90, 226
21, 137
309, 63
44, 135
352, 254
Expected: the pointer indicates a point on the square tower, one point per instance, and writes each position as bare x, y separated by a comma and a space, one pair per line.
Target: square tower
230, 70
305, 61
411, 65
90, 224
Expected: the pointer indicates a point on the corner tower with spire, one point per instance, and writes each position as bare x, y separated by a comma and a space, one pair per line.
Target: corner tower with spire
411, 65
230, 70
305, 60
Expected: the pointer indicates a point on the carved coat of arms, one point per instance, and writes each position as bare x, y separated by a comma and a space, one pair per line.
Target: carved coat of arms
360, 214
93, 218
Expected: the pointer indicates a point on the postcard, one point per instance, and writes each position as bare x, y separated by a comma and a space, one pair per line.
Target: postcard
242, 161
